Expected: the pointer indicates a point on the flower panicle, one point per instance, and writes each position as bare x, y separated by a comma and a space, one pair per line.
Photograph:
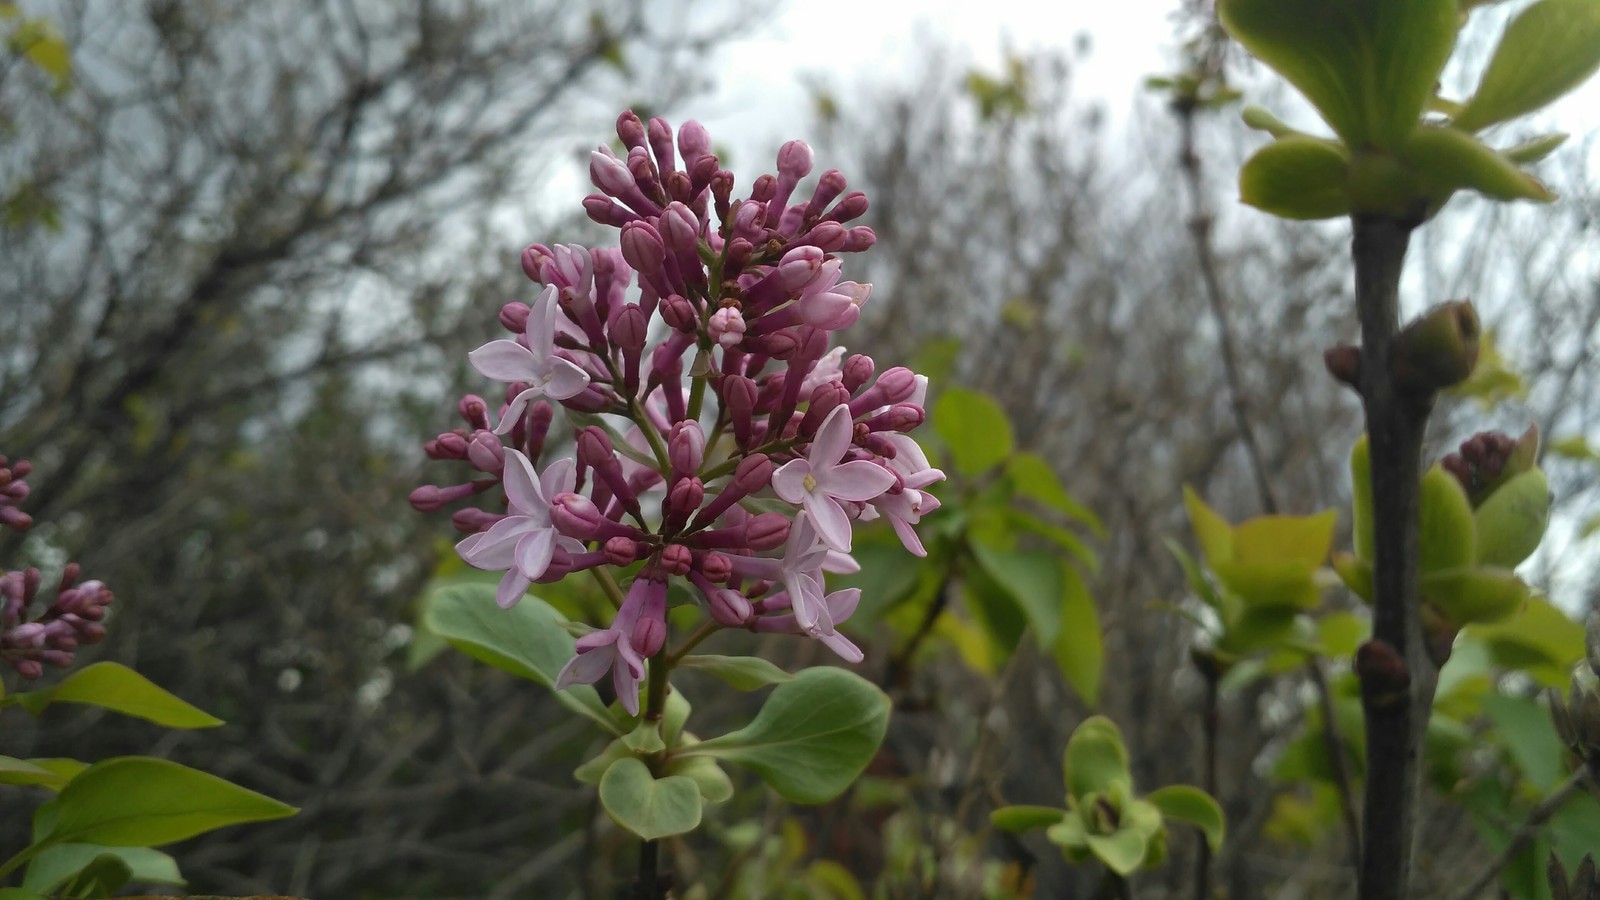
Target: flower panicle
694, 360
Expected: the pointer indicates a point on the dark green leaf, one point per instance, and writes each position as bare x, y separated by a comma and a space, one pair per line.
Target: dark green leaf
54, 866
136, 801
118, 688
745, 673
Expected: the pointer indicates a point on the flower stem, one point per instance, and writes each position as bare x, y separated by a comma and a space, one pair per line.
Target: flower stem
602, 576
705, 630
1398, 683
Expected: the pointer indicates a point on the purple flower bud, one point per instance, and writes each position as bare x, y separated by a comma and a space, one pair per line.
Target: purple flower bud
475, 410
858, 240
660, 138
642, 247
595, 450
593, 399
631, 328
676, 559
679, 313
824, 399
649, 634
794, 160
532, 261
827, 236
739, 253
576, 516
753, 474
721, 189
644, 172
472, 521
538, 418
727, 326
799, 266
514, 317
857, 371
893, 386
900, 417
432, 498
716, 567
766, 531
604, 211
693, 141
680, 187
852, 206
764, 188
686, 448
486, 452
648, 597
829, 187
630, 129
610, 174
747, 220
739, 396
680, 230
684, 498
728, 608
781, 344
621, 552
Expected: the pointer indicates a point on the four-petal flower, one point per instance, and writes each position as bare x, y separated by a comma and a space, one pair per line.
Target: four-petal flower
820, 481
535, 363
524, 542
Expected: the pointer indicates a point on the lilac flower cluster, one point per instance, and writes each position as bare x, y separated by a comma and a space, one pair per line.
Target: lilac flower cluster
719, 440
72, 619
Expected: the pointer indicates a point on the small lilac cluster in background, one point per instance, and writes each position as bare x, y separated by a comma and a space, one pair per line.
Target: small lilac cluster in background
72, 619
720, 439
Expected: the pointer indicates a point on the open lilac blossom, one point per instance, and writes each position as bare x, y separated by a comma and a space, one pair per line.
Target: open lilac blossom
821, 480
693, 358
524, 542
533, 362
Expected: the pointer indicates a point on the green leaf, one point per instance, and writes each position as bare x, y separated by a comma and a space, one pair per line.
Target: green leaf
674, 716
1447, 160
1477, 594
714, 784
54, 866
1213, 531
1183, 803
1341, 633
1273, 539
137, 801
22, 771
975, 429
16, 893
650, 807
812, 737
1017, 819
1368, 66
118, 688
1034, 478
645, 738
1286, 584
1542, 641
1122, 851
1033, 580
1262, 119
1512, 521
1095, 760
526, 640
1361, 499
1547, 50
1079, 649
1529, 152
745, 673
1298, 177
1448, 538
591, 771
1069, 832
1523, 727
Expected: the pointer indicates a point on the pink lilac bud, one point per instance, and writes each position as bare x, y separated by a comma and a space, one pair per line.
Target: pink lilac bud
537, 421
603, 210
878, 444
682, 500
659, 135
13, 490
824, 399
648, 596
728, 608
893, 386
826, 236
631, 328
475, 410
727, 327
739, 396
679, 313
717, 567
721, 185
680, 187
829, 186
852, 206
686, 448
859, 240
432, 498
857, 371
798, 267
576, 516
693, 142
472, 521
753, 474
747, 220
739, 253
593, 399
595, 450
610, 174
514, 317
449, 445
486, 452
766, 531
680, 232
644, 173
532, 261
900, 417
676, 559
630, 129
622, 552
644, 251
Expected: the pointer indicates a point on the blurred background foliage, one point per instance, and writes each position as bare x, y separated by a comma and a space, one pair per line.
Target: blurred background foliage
247, 246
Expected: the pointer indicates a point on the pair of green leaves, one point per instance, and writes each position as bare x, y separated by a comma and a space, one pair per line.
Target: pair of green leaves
812, 737
1370, 68
1104, 820
1265, 574
1466, 555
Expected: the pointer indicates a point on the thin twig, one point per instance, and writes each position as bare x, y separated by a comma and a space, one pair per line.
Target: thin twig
1526, 832
1210, 720
1333, 745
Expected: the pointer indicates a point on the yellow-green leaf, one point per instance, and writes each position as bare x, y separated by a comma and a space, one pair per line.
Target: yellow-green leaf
1213, 531
118, 688
1095, 760
1298, 177
1448, 539
1271, 539
1547, 50
1448, 159
1512, 521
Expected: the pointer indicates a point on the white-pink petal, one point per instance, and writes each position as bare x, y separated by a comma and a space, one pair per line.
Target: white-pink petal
505, 360
832, 439
858, 480
829, 518
564, 379
789, 481
513, 585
